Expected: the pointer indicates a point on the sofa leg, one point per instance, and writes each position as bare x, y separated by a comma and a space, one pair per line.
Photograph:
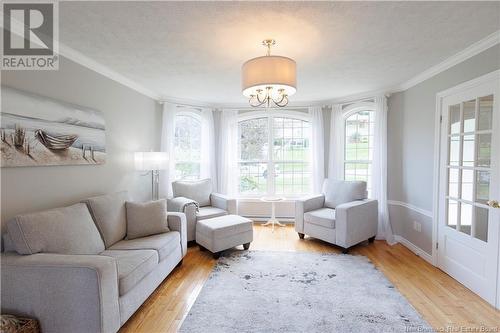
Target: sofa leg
216, 255
371, 239
180, 263
246, 246
301, 235
345, 250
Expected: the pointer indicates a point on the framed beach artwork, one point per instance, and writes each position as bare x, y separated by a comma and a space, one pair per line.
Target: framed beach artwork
40, 131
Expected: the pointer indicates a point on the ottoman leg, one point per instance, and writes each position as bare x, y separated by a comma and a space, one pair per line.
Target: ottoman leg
301, 235
216, 255
246, 246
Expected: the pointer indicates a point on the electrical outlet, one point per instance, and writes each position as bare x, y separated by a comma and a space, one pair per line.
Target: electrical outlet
417, 226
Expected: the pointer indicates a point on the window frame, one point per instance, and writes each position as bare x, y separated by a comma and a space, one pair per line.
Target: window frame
197, 116
270, 115
349, 111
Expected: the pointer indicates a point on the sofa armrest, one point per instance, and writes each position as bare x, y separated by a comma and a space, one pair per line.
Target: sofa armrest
177, 222
304, 205
66, 293
355, 222
224, 202
183, 205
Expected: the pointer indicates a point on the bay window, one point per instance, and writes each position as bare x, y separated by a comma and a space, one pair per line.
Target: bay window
274, 155
358, 148
187, 146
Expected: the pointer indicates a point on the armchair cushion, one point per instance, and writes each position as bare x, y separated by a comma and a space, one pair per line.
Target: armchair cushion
108, 212
198, 191
146, 218
133, 266
209, 212
164, 243
65, 230
338, 192
324, 217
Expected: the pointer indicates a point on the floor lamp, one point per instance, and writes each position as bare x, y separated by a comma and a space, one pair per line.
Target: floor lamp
152, 162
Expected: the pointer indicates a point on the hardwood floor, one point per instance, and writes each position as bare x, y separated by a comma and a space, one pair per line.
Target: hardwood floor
441, 300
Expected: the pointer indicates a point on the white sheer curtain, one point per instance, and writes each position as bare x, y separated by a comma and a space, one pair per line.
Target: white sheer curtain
167, 145
379, 170
208, 166
317, 148
228, 155
336, 155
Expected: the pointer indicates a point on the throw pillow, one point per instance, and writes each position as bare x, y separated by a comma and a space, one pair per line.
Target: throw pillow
146, 218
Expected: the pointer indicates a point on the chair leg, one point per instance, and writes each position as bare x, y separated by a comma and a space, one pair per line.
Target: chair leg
371, 239
246, 246
301, 235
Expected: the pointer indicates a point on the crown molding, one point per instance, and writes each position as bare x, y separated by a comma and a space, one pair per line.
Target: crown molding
472, 50
469, 52
73, 55
99, 68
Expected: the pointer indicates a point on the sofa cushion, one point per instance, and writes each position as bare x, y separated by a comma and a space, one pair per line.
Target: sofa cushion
209, 212
146, 218
224, 226
324, 217
198, 191
164, 244
338, 192
65, 230
108, 212
133, 266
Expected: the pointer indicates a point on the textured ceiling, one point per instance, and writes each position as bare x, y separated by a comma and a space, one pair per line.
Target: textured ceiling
194, 50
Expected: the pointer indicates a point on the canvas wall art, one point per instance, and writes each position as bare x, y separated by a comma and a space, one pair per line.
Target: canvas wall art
40, 131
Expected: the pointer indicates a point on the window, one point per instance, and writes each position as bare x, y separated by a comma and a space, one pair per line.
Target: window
358, 153
187, 146
274, 153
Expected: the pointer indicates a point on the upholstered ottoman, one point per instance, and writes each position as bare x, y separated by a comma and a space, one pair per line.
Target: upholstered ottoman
224, 232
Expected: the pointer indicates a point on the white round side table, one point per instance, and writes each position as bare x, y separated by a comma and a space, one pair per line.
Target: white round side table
273, 200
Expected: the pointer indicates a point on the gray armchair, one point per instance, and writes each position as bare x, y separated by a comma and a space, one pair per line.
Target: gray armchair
341, 215
209, 204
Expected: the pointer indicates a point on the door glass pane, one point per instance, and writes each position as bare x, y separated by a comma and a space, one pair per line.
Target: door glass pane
453, 182
468, 150
481, 223
485, 112
452, 213
465, 218
482, 186
467, 183
469, 116
454, 150
454, 127
483, 150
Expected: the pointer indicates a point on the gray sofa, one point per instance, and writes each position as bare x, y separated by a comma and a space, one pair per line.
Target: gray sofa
341, 215
74, 270
209, 204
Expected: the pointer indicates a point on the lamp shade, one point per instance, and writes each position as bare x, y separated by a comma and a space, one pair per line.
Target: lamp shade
277, 72
151, 160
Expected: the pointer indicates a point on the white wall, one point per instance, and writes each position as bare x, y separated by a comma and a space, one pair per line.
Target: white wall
132, 124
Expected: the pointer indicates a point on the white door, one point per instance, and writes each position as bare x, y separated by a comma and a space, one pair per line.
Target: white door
468, 230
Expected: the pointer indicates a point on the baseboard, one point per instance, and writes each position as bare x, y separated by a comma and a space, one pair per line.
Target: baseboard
415, 249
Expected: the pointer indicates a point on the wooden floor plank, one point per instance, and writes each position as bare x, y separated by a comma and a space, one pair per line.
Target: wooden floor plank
441, 300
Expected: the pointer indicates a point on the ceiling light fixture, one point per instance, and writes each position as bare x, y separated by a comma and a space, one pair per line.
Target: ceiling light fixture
269, 79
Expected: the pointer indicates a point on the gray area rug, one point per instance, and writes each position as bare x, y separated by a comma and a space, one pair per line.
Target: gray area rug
255, 291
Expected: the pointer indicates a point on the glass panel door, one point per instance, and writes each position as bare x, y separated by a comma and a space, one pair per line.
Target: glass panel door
468, 164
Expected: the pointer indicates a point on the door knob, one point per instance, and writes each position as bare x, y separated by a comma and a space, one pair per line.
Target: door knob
493, 204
